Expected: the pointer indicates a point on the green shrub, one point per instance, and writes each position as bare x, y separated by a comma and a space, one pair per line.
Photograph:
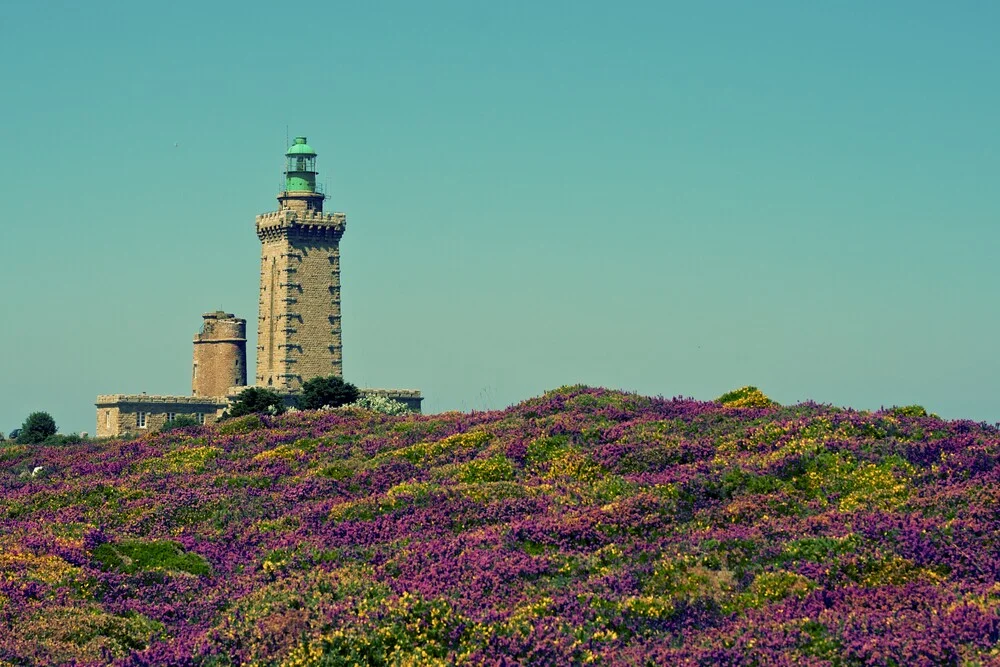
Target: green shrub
909, 411
745, 397
36, 428
244, 424
131, 556
769, 587
178, 422
547, 448
324, 392
255, 401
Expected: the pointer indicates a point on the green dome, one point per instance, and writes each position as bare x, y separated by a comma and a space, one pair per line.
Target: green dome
300, 147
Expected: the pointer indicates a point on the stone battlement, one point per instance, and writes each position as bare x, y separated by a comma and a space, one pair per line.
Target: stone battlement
221, 327
293, 223
115, 399
301, 217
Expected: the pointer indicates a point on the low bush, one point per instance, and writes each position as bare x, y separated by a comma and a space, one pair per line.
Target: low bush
381, 404
131, 556
179, 422
243, 424
255, 401
324, 392
745, 397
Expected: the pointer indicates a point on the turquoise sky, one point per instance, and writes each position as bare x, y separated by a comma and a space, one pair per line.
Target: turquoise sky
672, 198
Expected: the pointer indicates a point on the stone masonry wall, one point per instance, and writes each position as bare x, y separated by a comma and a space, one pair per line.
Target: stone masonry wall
274, 322
220, 355
299, 329
316, 345
118, 414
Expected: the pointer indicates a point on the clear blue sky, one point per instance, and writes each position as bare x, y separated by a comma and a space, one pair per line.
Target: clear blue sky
672, 198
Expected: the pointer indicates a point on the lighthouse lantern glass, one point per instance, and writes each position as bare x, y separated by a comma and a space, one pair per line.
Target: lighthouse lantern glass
301, 163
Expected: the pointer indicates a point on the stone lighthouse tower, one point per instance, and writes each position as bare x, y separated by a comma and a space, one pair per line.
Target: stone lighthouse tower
220, 355
299, 334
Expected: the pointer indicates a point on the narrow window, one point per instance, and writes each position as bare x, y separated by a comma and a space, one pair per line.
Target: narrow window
171, 416
200, 417
140, 419
107, 418
195, 372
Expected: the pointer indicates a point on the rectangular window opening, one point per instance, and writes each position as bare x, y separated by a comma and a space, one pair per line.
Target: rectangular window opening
140, 419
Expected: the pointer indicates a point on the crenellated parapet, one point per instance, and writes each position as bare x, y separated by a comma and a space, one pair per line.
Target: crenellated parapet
289, 223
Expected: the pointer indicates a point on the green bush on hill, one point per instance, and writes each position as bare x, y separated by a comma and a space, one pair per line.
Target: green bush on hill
36, 428
179, 422
244, 424
909, 411
255, 401
135, 555
324, 392
745, 397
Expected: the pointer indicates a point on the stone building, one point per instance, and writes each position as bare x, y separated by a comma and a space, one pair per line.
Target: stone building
298, 334
121, 414
220, 355
298, 328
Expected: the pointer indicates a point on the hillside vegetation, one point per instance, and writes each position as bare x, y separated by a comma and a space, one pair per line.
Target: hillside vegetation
583, 526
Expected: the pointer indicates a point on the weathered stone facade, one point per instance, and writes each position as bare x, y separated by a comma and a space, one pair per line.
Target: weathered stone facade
220, 355
131, 414
299, 331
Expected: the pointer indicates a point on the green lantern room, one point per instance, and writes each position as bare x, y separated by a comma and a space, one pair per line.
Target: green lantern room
300, 167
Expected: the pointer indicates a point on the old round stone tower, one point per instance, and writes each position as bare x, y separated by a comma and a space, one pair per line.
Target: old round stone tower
220, 355
299, 331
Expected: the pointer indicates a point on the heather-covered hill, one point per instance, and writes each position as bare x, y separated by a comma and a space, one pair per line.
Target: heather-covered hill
582, 526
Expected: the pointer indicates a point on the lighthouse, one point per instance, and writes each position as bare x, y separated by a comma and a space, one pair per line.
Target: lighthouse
299, 327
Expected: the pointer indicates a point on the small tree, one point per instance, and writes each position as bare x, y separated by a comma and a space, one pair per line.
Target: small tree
36, 428
330, 391
255, 401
